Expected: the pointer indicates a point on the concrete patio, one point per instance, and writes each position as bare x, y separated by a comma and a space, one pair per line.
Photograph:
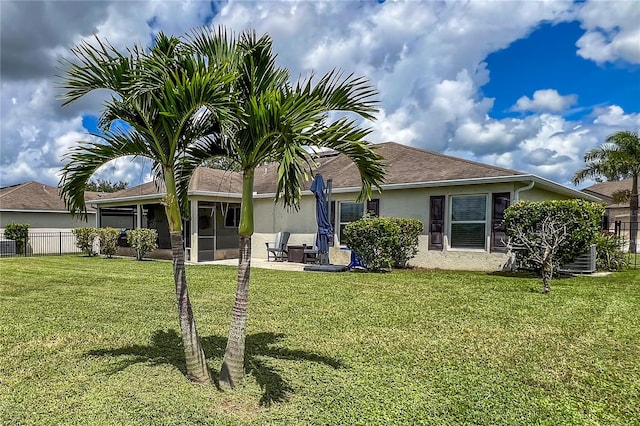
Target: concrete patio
258, 263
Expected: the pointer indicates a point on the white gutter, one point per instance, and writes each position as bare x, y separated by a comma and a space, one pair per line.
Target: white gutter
132, 198
516, 194
216, 194
542, 183
39, 211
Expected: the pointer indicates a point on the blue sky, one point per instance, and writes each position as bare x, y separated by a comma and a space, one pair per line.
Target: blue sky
548, 58
527, 85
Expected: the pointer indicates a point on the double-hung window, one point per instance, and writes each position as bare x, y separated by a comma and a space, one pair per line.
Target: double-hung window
468, 221
349, 212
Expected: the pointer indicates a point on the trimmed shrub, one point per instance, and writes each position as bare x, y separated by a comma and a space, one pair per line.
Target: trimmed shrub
19, 232
610, 256
382, 242
143, 241
410, 230
108, 241
85, 239
552, 233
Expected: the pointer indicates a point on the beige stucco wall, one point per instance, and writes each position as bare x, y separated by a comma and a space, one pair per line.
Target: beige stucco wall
409, 203
537, 194
46, 220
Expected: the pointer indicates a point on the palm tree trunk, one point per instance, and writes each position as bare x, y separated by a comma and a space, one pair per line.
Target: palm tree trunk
197, 370
232, 371
633, 206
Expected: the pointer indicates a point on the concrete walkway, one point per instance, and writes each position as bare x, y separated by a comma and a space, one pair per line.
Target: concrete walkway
258, 263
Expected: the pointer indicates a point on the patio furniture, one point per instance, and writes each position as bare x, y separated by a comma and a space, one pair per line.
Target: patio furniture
295, 253
311, 254
278, 248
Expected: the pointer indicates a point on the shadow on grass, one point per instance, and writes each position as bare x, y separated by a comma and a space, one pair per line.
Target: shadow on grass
166, 348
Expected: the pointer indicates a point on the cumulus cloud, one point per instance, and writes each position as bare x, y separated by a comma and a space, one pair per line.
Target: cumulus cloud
427, 60
612, 31
545, 100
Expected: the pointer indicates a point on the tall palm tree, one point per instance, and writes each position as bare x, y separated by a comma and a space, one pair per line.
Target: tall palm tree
278, 120
173, 103
618, 158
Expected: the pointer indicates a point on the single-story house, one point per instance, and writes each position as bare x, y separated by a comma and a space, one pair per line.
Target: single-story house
41, 207
460, 203
605, 190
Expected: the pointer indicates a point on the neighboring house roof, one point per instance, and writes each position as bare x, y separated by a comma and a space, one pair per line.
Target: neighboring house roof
605, 190
35, 196
406, 167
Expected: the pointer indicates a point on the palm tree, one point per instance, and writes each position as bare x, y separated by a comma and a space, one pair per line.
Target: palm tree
172, 109
276, 121
618, 158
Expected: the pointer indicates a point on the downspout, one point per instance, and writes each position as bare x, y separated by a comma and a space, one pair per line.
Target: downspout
516, 194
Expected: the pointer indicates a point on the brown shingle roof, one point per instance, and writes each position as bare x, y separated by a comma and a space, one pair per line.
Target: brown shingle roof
36, 196
605, 190
404, 165
409, 165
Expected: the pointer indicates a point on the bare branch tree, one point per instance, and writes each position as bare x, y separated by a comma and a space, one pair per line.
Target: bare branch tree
543, 245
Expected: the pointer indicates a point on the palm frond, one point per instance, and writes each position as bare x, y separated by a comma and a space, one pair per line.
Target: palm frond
87, 157
93, 66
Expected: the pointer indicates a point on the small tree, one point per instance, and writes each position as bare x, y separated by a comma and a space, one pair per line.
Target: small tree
552, 233
143, 241
19, 232
85, 239
108, 241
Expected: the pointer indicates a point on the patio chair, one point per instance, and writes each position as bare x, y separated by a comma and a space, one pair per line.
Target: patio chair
310, 254
278, 248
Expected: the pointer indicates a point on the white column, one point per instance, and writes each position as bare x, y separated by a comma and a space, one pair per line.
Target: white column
138, 216
194, 231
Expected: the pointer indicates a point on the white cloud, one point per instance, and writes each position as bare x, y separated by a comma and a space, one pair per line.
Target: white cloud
612, 31
426, 59
545, 100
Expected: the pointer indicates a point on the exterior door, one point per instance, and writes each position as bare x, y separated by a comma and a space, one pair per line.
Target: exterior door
501, 201
206, 232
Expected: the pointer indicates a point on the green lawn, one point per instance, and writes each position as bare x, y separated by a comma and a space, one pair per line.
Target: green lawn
94, 341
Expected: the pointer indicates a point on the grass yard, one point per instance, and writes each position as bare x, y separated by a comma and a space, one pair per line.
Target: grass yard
94, 341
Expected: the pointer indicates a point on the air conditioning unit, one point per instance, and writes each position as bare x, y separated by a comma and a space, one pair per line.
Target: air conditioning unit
583, 264
7, 248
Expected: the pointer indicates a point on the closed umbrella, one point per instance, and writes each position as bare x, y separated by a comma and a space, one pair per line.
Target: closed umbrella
322, 218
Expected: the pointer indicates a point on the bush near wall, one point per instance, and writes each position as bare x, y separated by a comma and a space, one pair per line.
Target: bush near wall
85, 238
581, 218
410, 230
381, 242
108, 241
610, 256
19, 232
143, 241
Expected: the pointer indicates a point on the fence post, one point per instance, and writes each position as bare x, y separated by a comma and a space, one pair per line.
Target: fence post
60, 252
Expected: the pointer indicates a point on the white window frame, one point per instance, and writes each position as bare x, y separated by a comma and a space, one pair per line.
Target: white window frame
449, 219
340, 223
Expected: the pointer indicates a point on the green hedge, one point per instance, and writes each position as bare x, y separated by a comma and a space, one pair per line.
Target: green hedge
19, 232
85, 238
381, 242
108, 241
142, 241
